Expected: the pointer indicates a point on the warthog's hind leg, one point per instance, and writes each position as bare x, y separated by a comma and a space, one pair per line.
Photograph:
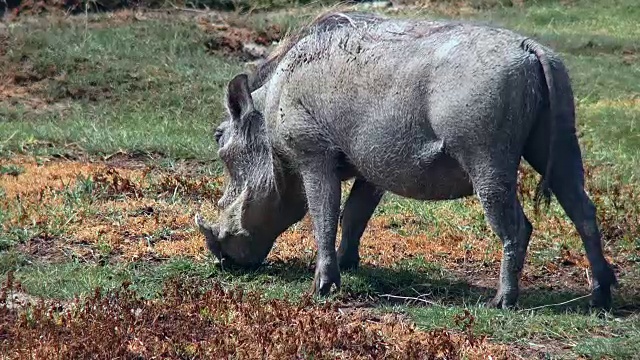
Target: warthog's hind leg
582, 213
567, 184
358, 209
505, 216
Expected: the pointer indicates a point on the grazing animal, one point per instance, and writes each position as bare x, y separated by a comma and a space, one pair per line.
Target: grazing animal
428, 110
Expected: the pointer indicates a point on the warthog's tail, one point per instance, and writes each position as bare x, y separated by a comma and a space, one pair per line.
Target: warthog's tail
543, 191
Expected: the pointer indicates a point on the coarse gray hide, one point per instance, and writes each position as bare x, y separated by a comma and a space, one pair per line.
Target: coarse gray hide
423, 109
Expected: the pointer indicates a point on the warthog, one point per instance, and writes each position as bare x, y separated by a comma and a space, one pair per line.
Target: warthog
429, 110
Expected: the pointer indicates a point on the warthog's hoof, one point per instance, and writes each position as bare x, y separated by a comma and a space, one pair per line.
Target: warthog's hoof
503, 301
326, 276
348, 262
601, 297
601, 293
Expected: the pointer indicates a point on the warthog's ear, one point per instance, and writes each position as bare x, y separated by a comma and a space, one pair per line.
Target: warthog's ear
239, 99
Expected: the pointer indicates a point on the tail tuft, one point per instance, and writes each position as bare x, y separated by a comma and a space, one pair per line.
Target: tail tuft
543, 194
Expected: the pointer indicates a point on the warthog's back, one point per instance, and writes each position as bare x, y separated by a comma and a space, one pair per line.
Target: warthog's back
401, 100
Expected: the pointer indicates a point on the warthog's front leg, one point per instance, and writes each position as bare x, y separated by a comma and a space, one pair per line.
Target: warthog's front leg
360, 205
322, 188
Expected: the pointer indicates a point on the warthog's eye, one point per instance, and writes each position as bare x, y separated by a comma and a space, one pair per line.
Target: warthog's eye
218, 134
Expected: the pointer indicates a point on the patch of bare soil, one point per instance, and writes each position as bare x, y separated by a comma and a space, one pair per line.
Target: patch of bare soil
188, 322
40, 90
233, 38
37, 90
45, 247
22, 85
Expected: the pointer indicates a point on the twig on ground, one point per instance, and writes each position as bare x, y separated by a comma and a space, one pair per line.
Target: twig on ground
410, 298
6, 141
70, 218
109, 156
186, 9
556, 304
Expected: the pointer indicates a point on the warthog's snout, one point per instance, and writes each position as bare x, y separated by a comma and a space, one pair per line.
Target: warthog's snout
234, 250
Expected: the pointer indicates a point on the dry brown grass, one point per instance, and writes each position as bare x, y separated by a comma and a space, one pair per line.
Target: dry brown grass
128, 210
187, 322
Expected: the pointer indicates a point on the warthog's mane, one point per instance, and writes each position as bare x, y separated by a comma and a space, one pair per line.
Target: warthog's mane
325, 22
265, 166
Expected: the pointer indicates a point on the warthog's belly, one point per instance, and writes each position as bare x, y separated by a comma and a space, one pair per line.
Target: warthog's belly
426, 174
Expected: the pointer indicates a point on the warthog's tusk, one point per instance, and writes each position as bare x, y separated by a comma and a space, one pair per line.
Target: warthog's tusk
210, 232
200, 221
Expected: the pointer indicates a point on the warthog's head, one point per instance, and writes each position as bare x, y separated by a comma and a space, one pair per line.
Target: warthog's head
262, 197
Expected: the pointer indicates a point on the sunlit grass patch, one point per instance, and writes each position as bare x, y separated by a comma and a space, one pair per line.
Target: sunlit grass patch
618, 347
168, 90
550, 332
64, 281
617, 119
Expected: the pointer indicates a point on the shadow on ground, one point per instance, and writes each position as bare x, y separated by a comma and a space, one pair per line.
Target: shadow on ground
428, 284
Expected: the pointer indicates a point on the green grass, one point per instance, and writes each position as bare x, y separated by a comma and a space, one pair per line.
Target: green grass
150, 87
612, 337
624, 347
145, 87
64, 281
11, 170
